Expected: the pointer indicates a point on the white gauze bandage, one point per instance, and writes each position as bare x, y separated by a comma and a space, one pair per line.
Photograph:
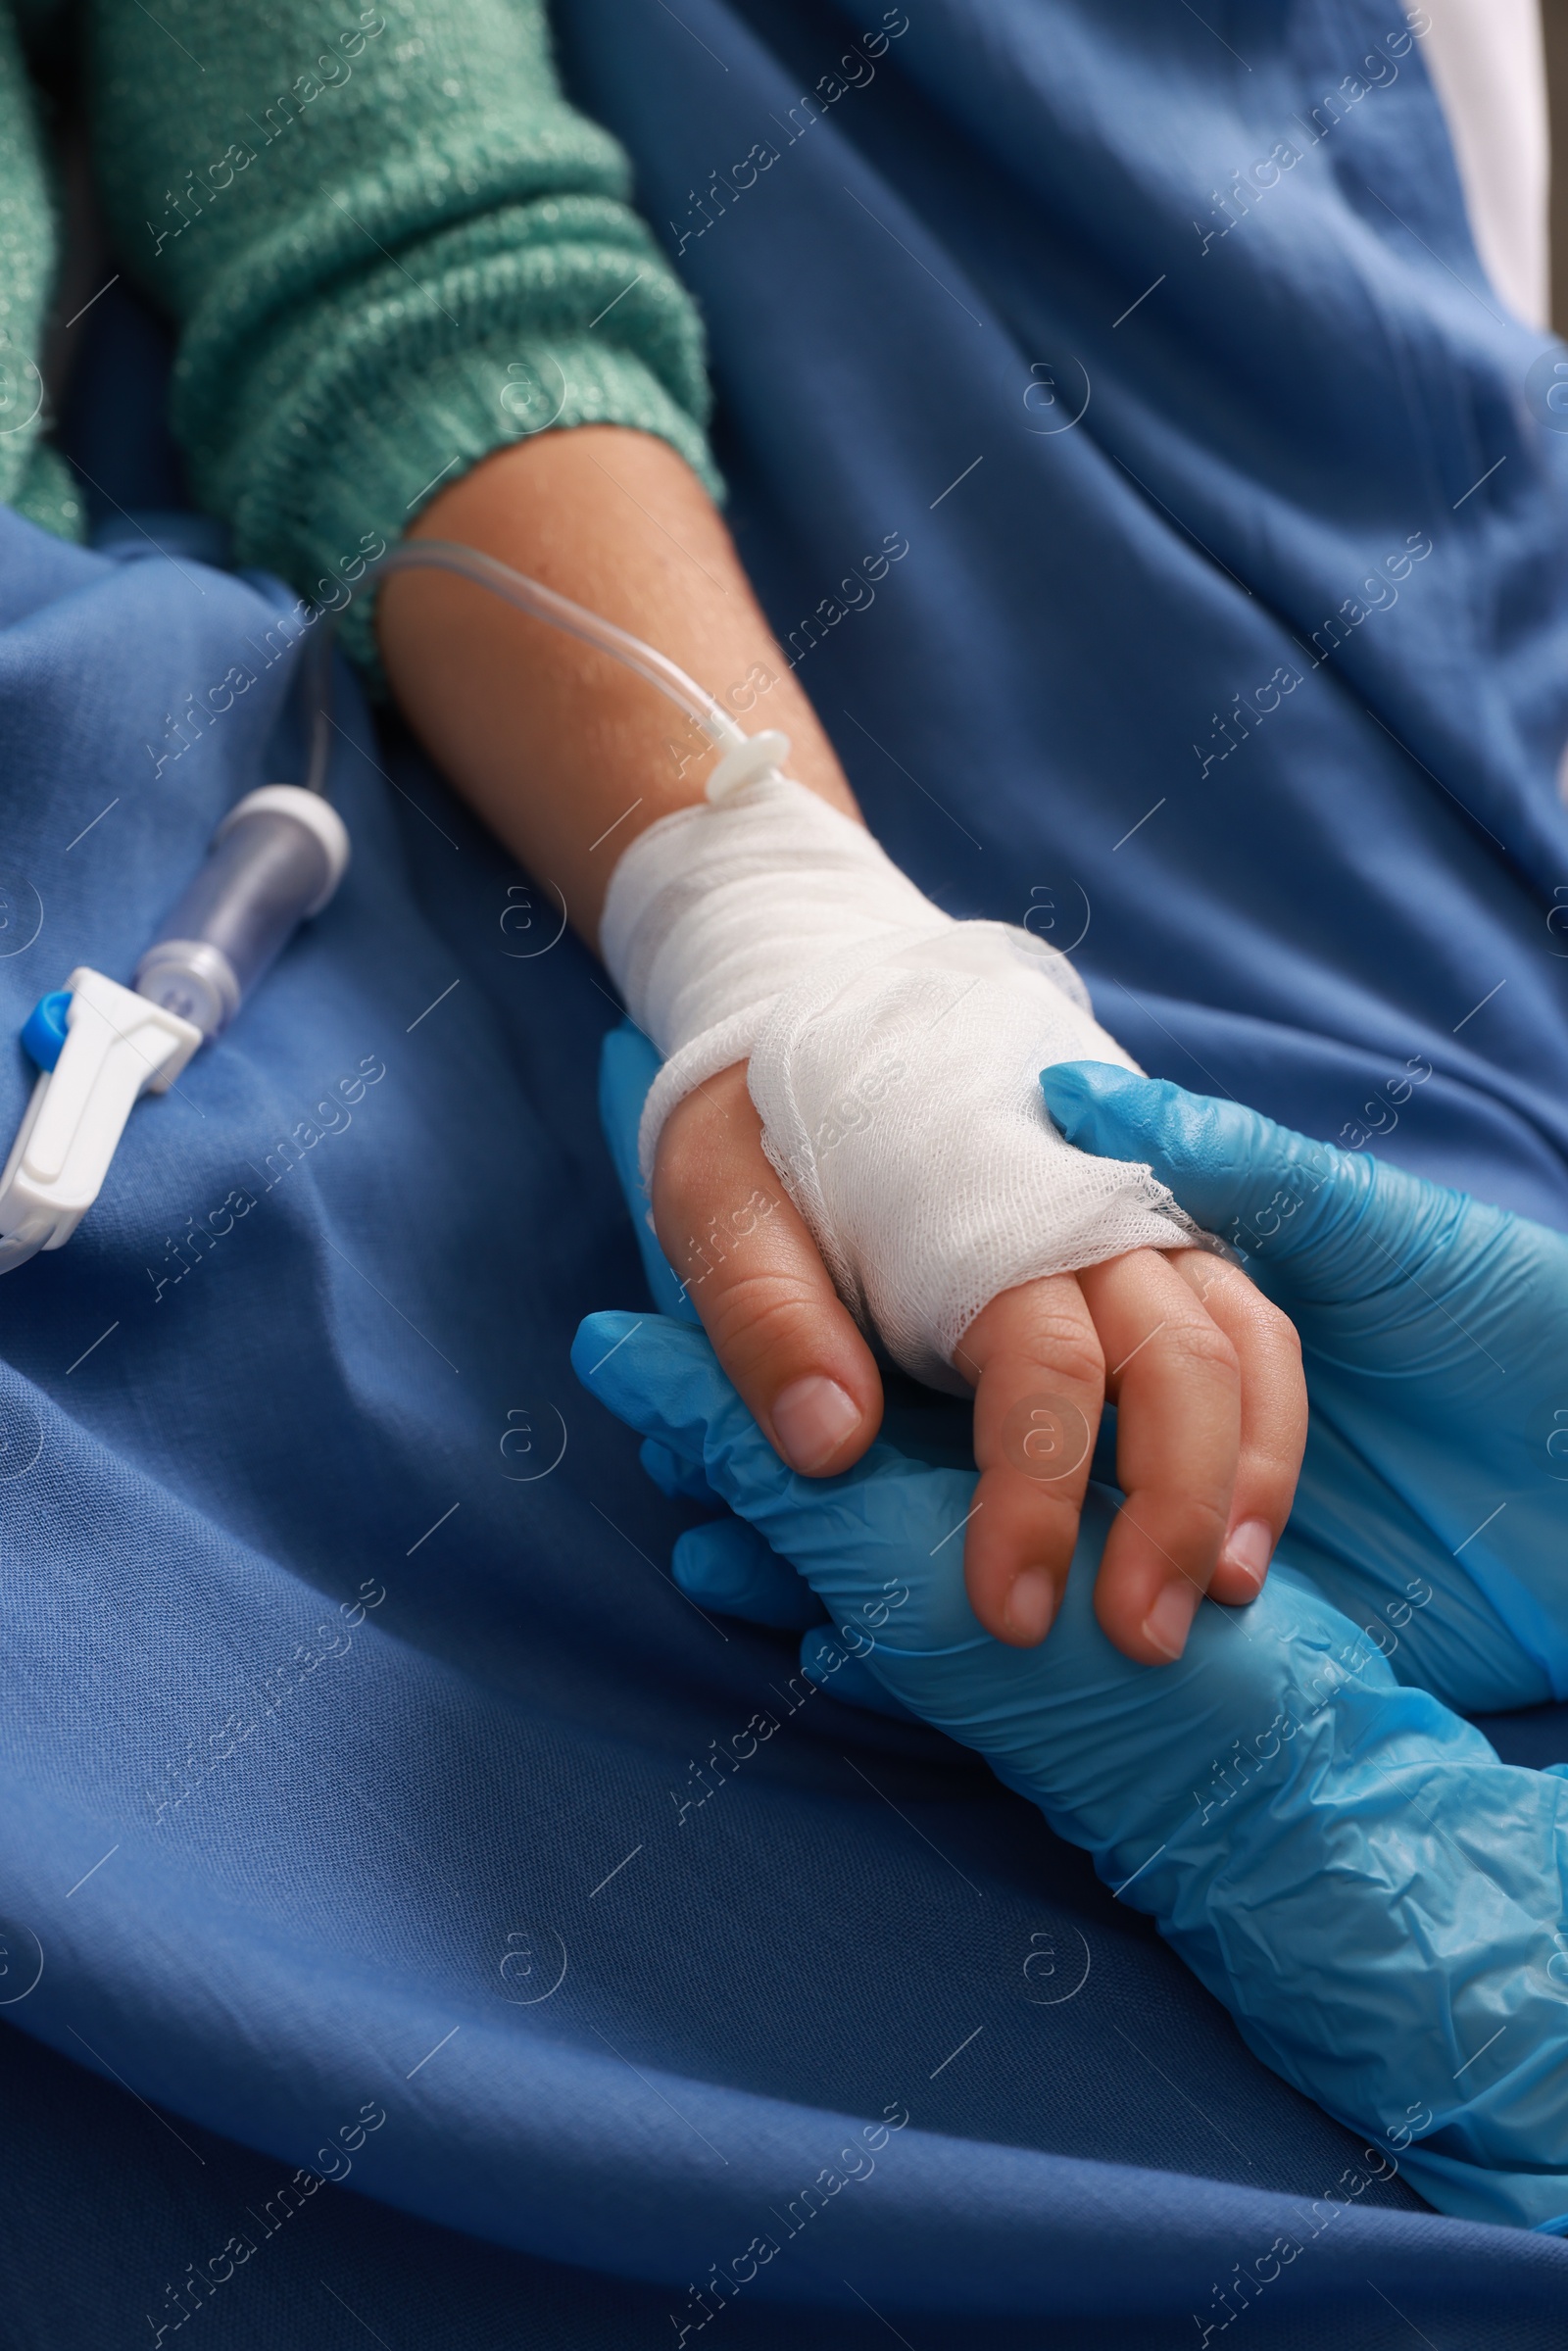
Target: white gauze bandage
894, 1056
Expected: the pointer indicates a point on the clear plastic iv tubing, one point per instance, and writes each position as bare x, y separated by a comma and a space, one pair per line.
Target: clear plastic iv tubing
544, 603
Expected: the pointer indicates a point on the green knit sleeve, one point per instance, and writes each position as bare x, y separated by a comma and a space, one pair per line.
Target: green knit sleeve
390, 247
27, 471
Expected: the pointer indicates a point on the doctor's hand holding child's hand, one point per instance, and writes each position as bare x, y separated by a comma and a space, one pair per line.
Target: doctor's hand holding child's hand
1204, 1372
775, 956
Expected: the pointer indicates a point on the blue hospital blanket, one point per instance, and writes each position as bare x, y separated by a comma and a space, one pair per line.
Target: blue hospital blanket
374, 1807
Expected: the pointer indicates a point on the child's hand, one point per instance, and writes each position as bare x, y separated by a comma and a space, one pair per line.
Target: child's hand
1206, 1374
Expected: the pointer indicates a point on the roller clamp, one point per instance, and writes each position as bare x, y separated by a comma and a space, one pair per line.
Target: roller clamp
116, 1047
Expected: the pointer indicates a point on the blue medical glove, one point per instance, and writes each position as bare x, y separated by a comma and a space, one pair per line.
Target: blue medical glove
628, 1068
1434, 1496
1342, 1861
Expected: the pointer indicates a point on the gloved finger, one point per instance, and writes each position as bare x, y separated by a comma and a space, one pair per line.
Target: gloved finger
1176, 1379
1273, 1418
1334, 1224
863, 1541
1040, 1380
627, 1066
827, 1660
731, 1569
758, 1282
683, 1481
659, 1377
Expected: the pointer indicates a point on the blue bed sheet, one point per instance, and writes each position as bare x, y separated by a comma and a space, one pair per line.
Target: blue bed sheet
375, 1809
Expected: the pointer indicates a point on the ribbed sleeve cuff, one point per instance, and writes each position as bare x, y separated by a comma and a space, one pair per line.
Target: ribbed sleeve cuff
403, 442
335, 431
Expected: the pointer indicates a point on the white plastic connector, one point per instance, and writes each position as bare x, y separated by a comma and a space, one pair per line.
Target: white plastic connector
748, 761
118, 1047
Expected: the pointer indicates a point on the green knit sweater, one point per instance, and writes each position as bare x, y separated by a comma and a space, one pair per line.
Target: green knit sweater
387, 243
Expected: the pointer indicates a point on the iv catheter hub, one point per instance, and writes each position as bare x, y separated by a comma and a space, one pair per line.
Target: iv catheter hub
118, 1047
274, 860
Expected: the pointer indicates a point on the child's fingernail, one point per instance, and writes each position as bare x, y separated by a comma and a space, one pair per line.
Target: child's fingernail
812, 1420
1248, 1549
1029, 1605
1170, 1620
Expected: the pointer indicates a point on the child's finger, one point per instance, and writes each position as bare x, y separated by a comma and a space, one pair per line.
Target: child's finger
1036, 1360
754, 1274
1273, 1418
1176, 1379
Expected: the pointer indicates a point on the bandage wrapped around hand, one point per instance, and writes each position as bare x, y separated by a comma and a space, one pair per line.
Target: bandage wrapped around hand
893, 1053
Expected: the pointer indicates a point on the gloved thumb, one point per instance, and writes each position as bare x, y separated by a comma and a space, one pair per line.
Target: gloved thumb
628, 1068
1327, 1219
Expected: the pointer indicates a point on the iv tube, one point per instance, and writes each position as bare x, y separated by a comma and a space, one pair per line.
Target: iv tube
544, 603
278, 856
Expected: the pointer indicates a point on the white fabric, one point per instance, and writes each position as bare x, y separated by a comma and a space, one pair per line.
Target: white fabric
1488, 64
893, 1055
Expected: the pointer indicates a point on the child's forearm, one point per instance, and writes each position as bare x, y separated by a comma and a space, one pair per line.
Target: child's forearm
566, 754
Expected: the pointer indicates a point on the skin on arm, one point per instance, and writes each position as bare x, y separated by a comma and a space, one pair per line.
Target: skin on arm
568, 757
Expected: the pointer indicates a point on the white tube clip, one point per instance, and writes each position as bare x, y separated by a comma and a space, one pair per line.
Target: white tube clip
747, 763
118, 1047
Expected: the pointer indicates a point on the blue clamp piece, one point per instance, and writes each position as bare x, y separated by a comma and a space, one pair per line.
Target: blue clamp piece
43, 1031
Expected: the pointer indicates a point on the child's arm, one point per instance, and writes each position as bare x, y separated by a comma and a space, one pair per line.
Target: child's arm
570, 759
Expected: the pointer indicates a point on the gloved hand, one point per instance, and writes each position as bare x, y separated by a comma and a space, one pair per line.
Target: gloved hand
1300, 1756
1433, 1500
1278, 1762
1422, 1424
